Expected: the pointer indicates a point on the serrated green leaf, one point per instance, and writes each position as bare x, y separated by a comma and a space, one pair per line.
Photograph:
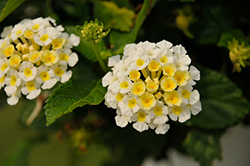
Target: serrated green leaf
119, 39
71, 95
222, 101
114, 17
10, 6
203, 146
86, 48
229, 35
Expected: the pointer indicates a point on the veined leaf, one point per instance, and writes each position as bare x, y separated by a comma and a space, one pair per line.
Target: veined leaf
119, 39
71, 95
222, 101
203, 146
114, 17
10, 6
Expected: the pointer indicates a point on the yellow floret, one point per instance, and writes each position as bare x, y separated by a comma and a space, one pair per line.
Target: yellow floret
138, 88
14, 61
181, 77
169, 69
146, 101
141, 117
172, 98
168, 84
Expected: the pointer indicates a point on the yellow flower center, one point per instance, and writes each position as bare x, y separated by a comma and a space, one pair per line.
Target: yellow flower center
4, 66
141, 116
138, 88
158, 110
36, 27
172, 98
168, 84
164, 59
34, 56
2, 79
154, 66
124, 84
181, 77
140, 62
19, 32
169, 69
58, 43
13, 80
31, 86
27, 72
8, 50
185, 93
44, 37
44, 76
28, 34
14, 60
119, 97
134, 75
58, 71
152, 86
64, 57
132, 103
177, 110
147, 101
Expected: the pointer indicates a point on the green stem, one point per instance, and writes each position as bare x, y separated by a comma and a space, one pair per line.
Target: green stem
97, 53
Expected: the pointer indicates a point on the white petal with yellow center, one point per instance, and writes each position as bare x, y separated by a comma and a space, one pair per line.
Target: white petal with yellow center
172, 98
146, 101
138, 88
14, 61
4, 67
27, 71
168, 84
7, 50
34, 56
49, 57
181, 113
169, 69
181, 77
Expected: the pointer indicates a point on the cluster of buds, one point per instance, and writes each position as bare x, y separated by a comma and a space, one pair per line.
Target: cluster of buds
151, 83
92, 31
35, 55
239, 54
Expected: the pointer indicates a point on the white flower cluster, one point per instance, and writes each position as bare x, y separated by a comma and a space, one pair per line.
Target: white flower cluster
150, 83
35, 54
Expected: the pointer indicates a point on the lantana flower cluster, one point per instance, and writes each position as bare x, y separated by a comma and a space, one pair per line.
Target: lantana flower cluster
34, 55
151, 83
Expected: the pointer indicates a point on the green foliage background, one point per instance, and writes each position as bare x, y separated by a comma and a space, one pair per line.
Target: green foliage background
81, 130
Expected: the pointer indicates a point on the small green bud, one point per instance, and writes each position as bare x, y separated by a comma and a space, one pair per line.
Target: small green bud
239, 54
92, 31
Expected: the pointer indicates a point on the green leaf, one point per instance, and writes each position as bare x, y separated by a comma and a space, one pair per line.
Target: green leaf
119, 39
229, 35
204, 146
86, 48
10, 6
222, 101
114, 17
71, 95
